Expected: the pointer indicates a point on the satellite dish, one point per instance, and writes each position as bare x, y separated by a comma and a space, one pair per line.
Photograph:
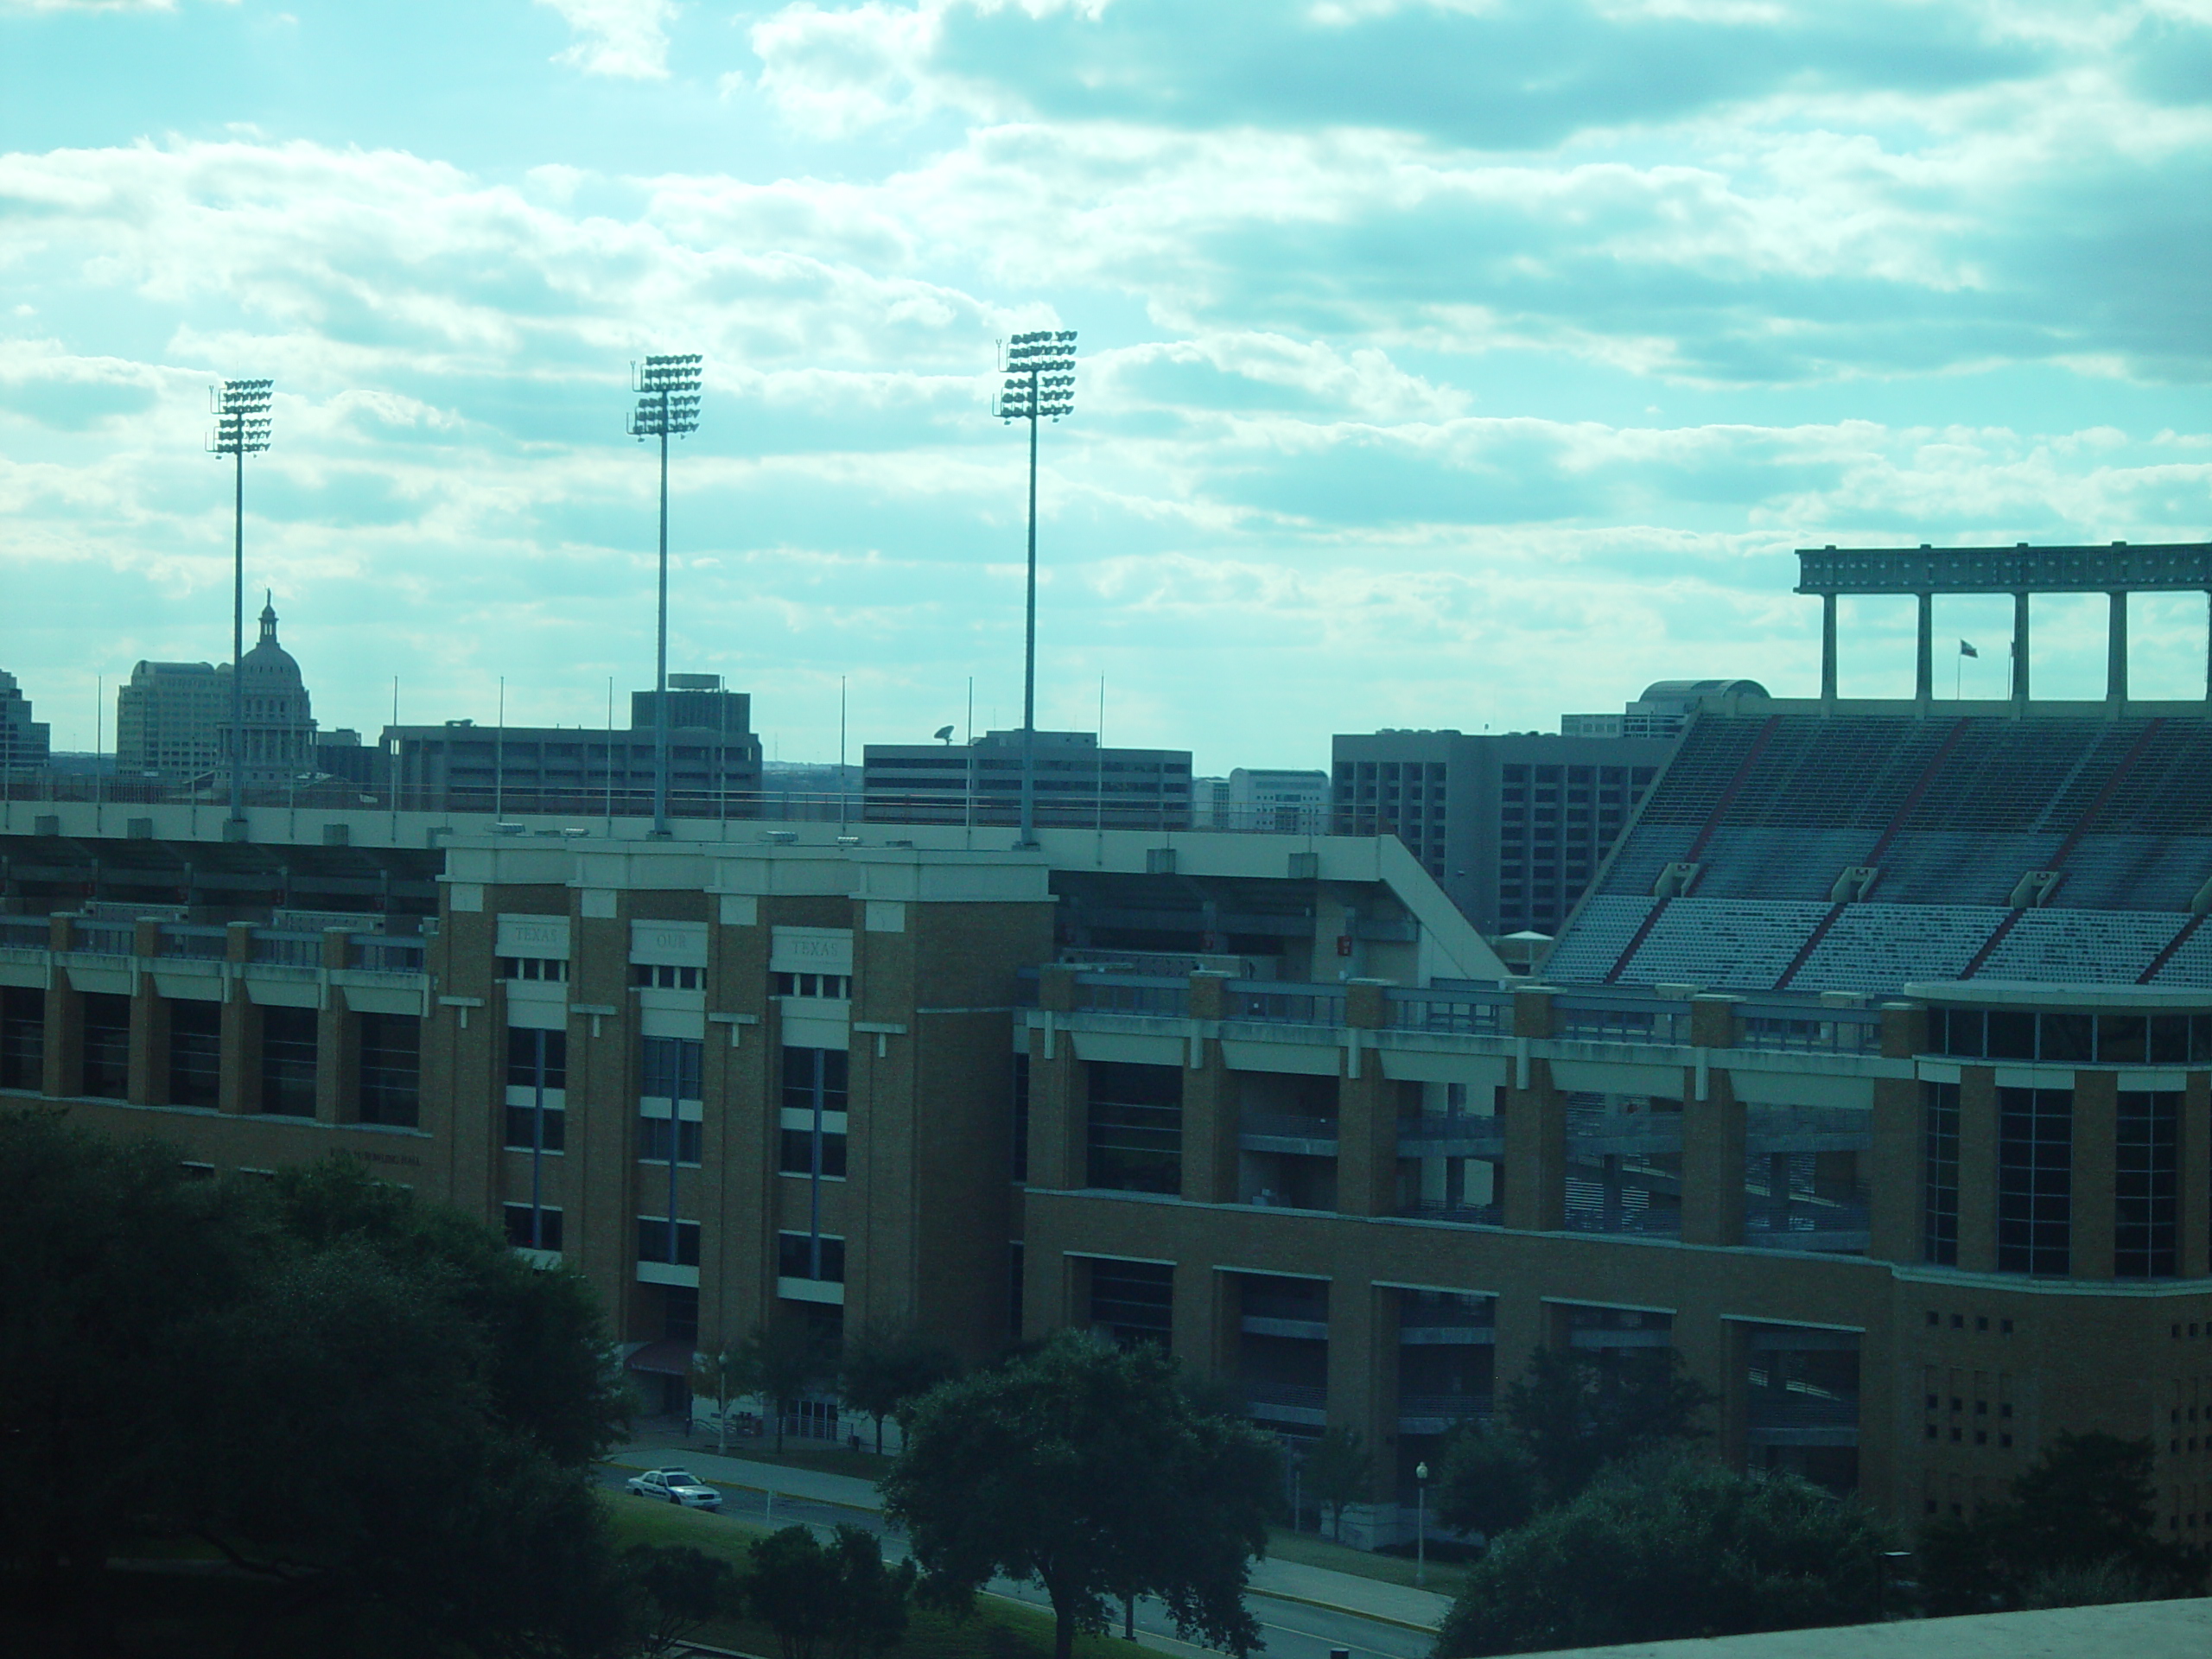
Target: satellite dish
943, 733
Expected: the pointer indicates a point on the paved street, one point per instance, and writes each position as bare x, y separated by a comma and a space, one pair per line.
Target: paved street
1303, 1612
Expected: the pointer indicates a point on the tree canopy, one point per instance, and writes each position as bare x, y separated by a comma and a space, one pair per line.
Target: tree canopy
1086, 1468
1670, 1544
886, 1367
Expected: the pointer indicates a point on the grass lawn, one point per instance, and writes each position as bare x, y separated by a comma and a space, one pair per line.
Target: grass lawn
1309, 1549
996, 1630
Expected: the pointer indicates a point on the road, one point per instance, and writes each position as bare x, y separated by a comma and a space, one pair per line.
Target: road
1291, 1630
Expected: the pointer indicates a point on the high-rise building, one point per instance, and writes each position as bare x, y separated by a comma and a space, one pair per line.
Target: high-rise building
1262, 797
1513, 826
1077, 783
173, 720
23, 741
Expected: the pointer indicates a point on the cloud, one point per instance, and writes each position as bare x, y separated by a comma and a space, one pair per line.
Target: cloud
626, 39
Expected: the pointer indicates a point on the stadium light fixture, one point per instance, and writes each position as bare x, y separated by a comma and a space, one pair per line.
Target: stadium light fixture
241, 429
667, 404
1039, 385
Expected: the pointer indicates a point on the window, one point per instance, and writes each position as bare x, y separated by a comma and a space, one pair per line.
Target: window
23, 1038
533, 967
1133, 1134
537, 1059
532, 1229
668, 1068
836, 986
811, 1255
1133, 1301
814, 1079
107, 1049
288, 1059
1939, 1226
679, 1313
660, 976
391, 1068
798, 1151
1020, 1149
656, 1244
655, 1141
195, 1053
2071, 1038
2035, 1181
2146, 1185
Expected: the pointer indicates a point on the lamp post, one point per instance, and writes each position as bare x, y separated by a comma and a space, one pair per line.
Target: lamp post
241, 429
1040, 384
1421, 1524
668, 401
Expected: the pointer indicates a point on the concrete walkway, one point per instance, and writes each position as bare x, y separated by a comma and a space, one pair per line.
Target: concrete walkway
1317, 1587
2127, 1630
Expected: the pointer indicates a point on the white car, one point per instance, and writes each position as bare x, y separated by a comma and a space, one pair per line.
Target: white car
677, 1486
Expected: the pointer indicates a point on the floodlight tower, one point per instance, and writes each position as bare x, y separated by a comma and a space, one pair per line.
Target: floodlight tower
668, 401
241, 429
1039, 384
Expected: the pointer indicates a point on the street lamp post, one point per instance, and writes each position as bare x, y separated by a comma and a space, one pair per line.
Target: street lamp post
241, 429
1040, 384
668, 401
1420, 1524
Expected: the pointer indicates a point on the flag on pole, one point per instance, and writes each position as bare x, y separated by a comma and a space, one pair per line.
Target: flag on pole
1966, 649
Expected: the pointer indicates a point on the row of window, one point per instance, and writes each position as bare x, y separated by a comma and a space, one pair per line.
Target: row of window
2071, 1038
818, 1257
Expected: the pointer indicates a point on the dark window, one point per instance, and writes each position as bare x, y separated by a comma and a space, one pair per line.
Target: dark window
652, 976
679, 1313
2011, 1035
811, 1255
668, 1068
288, 1053
195, 1053
23, 1038
1020, 1149
2122, 1038
532, 1229
2035, 1181
654, 1242
526, 1124
1939, 1237
814, 1077
391, 1068
537, 1058
107, 1048
1134, 1131
2146, 1185
1133, 1301
653, 1140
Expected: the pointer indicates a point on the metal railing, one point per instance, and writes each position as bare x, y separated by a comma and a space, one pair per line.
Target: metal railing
1475, 1013
1786, 1409
1288, 1126
288, 949
102, 939
25, 932
201, 944
376, 953
1300, 1005
1815, 1030
1463, 1128
1296, 1309
1466, 1215
1295, 1396
1452, 1408
1133, 994
1604, 1019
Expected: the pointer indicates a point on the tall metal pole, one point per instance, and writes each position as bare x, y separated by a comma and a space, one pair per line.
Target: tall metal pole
238, 645
660, 661
1029, 648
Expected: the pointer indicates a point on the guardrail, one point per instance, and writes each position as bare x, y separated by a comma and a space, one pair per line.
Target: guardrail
1598, 1018
1133, 994
1466, 1215
102, 939
1301, 1005
1838, 1031
1463, 1130
375, 953
201, 944
1288, 1126
290, 950
1476, 1013
1773, 1408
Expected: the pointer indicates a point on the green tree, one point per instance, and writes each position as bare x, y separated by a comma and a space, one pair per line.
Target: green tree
834, 1601
887, 1366
1084, 1467
1339, 1471
1670, 1544
2079, 1522
1485, 1481
682, 1588
786, 1358
1576, 1412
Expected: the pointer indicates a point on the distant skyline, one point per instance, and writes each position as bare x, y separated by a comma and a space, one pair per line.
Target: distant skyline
1444, 362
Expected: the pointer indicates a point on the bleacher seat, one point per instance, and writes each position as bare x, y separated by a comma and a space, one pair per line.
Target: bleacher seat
1586, 953
2192, 963
1724, 944
1879, 947
2081, 947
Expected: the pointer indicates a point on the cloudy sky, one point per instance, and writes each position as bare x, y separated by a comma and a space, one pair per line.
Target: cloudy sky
1445, 362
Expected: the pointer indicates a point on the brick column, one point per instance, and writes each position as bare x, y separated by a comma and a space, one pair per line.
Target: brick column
148, 1084
1535, 1127
1978, 1169
239, 1088
1048, 1293
1363, 1372
63, 1066
1522, 1327
1713, 1135
1204, 1336
1209, 1104
2196, 1152
1058, 1102
1367, 1114
337, 1044
1896, 1180
2096, 1107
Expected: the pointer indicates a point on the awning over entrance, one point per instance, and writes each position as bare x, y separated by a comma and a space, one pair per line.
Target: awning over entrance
671, 1357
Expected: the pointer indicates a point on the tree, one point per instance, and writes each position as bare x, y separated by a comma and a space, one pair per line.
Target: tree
730, 1372
2079, 1525
1668, 1545
1339, 1470
786, 1359
1575, 1413
1485, 1481
885, 1367
1086, 1468
837, 1601
683, 1588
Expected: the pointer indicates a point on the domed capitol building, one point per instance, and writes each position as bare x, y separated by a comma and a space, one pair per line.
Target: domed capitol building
173, 720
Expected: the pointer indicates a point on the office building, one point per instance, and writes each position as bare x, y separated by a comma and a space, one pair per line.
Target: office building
1664, 710
1077, 783
1260, 798
1874, 1079
1513, 826
714, 760
173, 721
23, 741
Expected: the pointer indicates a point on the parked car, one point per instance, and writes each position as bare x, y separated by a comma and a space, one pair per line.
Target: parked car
677, 1486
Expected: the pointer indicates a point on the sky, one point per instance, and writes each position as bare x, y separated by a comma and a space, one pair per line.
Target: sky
1443, 363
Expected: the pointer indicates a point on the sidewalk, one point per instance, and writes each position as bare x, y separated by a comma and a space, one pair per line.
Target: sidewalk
1316, 1586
